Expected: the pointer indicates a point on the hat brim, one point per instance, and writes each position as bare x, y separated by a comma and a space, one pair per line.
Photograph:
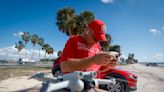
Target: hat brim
100, 37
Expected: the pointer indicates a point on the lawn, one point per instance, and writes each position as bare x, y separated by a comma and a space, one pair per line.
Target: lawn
14, 71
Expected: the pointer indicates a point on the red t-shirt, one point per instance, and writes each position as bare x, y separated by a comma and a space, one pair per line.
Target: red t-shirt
77, 48
56, 62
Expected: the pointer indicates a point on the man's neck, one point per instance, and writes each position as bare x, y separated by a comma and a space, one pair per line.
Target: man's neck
86, 40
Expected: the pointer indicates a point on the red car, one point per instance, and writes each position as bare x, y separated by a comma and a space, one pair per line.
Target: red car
125, 81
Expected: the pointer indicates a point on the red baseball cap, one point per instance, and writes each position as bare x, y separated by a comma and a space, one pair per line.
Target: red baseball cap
99, 29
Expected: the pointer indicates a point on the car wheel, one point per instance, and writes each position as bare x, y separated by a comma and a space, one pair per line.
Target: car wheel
118, 87
56, 71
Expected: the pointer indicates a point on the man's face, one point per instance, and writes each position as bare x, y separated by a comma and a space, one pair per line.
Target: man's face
90, 36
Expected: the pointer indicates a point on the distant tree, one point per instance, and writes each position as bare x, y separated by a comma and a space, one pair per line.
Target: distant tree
131, 59
19, 46
122, 59
34, 40
136, 61
26, 37
40, 43
49, 50
105, 44
45, 48
115, 48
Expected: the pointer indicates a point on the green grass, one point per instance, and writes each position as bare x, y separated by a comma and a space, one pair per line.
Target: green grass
9, 72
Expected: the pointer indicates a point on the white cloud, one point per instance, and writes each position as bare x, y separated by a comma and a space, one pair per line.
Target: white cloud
124, 56
144, 57
18, 34
155, 31
8, 53
11, 53
107, 1
163, 28
156, 57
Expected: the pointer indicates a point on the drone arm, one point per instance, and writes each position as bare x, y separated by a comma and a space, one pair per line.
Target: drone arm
58, 86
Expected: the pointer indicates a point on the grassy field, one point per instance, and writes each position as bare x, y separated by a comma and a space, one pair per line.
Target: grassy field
13, 71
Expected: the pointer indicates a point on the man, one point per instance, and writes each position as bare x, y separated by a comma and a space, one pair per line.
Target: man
56, 71
83, 52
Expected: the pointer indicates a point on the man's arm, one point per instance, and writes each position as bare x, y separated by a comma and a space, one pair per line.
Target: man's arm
76, 64
82, 64
110, 65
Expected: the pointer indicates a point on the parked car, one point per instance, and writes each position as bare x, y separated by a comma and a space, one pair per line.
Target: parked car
20, 62
125, 81
151, 64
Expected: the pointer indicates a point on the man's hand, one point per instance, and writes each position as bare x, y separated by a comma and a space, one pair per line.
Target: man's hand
114, 59
111, 65
101, 58
104, 58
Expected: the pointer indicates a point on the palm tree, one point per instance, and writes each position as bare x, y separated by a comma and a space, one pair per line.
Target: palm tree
19, 46
45, 47
50, 50
34, 40
115, 48
85, 18
105, 44
65, 20
72, 24
131, 59
40, 43
26, 37
82, 21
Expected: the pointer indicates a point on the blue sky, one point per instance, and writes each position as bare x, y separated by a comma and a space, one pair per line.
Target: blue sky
136, 25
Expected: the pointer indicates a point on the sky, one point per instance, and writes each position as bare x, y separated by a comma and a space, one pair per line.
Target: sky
136, 25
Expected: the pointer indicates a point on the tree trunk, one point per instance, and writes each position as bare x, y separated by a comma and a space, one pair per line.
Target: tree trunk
39, 53
49, 56
33, 52
25, 50
45, 55
18, 55
69, 31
